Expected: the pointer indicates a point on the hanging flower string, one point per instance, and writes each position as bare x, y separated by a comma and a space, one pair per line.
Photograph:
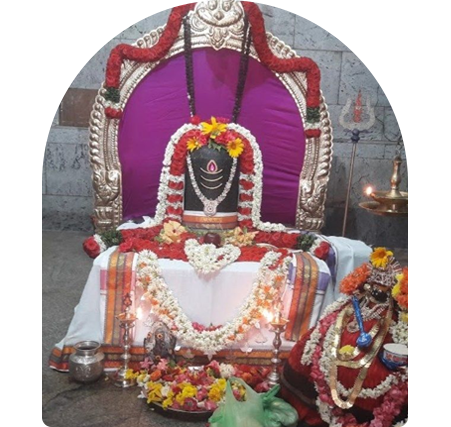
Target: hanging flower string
124, 52
279, 65
270, 278
142, 55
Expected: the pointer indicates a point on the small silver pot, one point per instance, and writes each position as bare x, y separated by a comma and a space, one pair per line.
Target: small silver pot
86, 364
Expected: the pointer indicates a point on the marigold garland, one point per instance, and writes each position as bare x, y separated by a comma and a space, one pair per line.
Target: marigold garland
355, 280
400, 291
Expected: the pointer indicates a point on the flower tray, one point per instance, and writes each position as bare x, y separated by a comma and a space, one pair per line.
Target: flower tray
179, 414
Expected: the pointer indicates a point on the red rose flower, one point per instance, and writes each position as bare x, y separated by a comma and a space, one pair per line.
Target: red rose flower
112, 113
247, 185
174, 211
322, 251
175, 185
126, 246
222, 120
91, 247
246, 197
289, 239
244, 211
246, 223
174, 198
141, 244
195, 120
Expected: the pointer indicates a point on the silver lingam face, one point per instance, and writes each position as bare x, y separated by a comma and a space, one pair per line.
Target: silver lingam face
220, 13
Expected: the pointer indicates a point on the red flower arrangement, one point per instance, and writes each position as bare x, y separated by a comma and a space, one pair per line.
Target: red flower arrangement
355, 280
384, 414
155, 53
278, 239
322, 250
91, 247
267, 57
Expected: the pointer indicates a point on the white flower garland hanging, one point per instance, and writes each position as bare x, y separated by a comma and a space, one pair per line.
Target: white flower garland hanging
256, 178
399, 332
271, 275
326, 361
207, 258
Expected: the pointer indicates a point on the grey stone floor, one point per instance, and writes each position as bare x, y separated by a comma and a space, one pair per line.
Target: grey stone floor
65, 403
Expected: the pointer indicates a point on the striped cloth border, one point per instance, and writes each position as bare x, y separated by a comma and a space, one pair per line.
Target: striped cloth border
304, 293
119, 284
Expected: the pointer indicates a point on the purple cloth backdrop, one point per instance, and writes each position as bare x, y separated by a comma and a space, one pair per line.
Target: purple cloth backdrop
159, 106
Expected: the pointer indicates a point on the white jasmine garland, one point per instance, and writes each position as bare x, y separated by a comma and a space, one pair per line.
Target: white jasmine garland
309, 125
315, 336
167, 308
100, 242
207, 258
226, 370
256, 178
326, 361
399, 332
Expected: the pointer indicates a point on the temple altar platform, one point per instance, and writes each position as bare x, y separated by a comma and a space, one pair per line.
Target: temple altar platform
213, 299
65, 270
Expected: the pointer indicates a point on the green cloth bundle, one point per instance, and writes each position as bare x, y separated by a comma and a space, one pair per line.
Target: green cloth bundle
258, 410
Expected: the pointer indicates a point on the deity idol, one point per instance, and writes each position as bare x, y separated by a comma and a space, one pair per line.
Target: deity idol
341, 372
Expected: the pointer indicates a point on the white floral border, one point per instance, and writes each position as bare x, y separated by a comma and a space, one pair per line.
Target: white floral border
149, 277
256, 178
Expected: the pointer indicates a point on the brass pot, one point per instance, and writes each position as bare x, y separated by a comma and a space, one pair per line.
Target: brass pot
86, 363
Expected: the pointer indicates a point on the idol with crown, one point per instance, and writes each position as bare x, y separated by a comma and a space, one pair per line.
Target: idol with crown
351, 368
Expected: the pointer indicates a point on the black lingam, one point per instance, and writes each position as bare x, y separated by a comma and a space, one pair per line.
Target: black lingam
212, 173
215, 177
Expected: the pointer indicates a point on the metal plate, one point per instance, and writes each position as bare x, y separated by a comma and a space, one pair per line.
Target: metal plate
179, 414
378, 209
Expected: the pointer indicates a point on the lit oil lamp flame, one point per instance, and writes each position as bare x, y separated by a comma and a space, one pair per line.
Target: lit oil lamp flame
268, 315
368, 191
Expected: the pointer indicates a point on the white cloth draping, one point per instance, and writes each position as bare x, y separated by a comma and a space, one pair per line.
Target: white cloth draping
212, 299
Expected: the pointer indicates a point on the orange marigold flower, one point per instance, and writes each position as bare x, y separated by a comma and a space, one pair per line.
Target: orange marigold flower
405, 281
155, 375
355, 280
403, 301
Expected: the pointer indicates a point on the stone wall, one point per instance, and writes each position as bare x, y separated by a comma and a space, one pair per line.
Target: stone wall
67, 191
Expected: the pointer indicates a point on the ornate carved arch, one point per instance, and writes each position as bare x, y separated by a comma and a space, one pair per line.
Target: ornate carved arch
218, 24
